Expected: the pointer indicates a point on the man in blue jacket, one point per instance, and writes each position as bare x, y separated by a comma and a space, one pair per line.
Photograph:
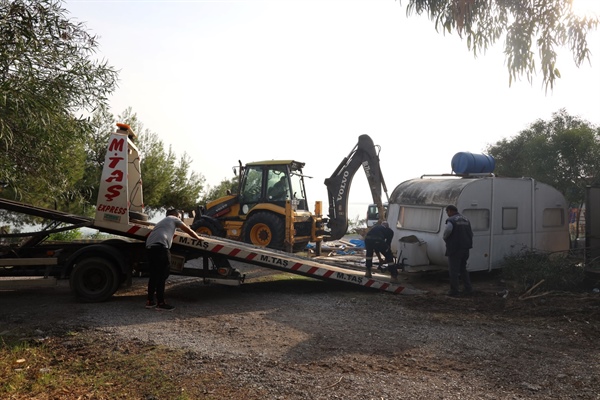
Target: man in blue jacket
459, 239
379, 239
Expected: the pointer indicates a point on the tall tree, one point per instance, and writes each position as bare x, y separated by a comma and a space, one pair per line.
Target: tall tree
47, 75
563, 152
526, 25
222, 189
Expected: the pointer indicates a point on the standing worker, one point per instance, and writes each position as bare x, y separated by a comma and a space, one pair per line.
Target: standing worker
379, 239
459, 239
158, 245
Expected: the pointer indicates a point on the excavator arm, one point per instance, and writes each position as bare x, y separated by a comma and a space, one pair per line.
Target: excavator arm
338, 185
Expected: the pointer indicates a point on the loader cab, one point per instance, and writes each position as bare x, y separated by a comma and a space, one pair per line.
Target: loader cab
272, 182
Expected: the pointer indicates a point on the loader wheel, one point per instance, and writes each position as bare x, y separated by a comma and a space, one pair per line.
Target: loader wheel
265, 229
207, 227
94, 279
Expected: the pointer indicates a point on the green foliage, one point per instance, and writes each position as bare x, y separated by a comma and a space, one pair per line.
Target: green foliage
558, 272
47, 74
221, 190
526, 26
66, 236
562, 152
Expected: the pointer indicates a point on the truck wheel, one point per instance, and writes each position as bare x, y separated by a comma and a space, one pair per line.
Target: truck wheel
94, 279
133, 215
207, 227
265, 229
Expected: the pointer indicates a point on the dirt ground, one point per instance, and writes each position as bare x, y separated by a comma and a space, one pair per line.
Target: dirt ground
280, 336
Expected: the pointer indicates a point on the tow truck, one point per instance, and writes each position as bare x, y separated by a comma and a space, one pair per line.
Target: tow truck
96, 269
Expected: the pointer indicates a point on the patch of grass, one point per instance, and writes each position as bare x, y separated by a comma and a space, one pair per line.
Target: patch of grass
97, 366
559, 273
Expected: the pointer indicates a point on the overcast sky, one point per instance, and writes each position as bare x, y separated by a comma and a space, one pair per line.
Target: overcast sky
250, 80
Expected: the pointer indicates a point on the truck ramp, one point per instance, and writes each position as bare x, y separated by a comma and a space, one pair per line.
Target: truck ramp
293, 263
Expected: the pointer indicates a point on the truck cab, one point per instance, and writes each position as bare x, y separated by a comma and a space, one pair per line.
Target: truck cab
373, 214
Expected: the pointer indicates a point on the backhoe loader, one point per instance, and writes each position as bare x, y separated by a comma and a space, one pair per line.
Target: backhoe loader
270, 208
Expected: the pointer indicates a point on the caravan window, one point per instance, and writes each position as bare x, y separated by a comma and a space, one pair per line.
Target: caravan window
480, 219
419, 219
509, 218
553, 217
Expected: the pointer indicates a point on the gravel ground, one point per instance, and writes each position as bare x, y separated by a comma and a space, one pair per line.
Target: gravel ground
296, 338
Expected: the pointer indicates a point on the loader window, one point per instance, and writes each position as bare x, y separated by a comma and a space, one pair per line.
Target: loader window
297, 187
279, 187
252, 186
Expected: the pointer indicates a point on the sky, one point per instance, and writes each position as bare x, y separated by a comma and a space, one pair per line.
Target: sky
250, 80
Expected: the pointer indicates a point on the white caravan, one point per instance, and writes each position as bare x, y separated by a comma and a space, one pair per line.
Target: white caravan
507, 215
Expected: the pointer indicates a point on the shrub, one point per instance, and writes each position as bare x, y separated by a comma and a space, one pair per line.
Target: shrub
559, 272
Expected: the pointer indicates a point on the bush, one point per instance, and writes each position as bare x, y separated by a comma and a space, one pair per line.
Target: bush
559, 272
66, 236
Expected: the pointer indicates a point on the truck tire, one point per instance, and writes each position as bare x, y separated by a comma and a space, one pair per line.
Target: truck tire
133, 215
205, 226
265, 229
94, 279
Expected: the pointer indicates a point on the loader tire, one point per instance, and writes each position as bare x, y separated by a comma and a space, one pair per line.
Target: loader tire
265, 229
94, 279
208, 227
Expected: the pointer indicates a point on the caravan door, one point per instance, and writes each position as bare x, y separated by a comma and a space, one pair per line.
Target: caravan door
476, 204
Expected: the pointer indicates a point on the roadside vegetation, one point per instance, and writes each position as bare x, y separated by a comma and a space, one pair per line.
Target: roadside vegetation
534, 273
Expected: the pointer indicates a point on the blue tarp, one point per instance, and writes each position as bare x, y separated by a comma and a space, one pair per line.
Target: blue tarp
358, 242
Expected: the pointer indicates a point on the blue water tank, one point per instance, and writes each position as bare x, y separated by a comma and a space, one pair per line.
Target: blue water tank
469, 163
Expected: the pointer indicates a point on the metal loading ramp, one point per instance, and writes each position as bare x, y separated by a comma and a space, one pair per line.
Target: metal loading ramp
296, 264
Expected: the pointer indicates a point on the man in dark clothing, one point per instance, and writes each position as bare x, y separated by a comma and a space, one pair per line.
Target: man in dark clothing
158, 245
459, 239
379, 239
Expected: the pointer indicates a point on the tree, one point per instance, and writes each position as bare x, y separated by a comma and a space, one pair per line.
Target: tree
544, 24
47, 75
563, 152
222, 189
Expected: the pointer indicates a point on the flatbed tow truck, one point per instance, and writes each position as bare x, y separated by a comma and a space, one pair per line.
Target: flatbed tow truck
96, 269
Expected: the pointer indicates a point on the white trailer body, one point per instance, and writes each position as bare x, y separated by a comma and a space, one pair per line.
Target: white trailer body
507, 215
